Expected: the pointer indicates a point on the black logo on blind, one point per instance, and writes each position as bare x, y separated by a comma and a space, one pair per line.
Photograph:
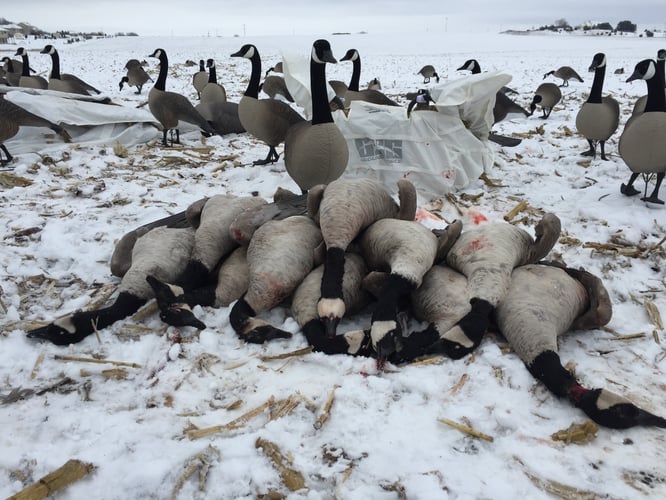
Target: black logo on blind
389, 150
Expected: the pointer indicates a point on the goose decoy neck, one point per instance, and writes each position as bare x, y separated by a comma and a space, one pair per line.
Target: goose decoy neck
647, 70
353, 56
599, 67
202, 65
321, 54
661, 63
25, 71
160, 83
250, 52
55, 60
212, 75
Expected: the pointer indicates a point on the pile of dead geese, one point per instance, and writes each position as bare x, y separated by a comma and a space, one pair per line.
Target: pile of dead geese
347, 251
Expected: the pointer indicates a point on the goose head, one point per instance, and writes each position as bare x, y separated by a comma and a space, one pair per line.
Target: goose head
210, 63
247, 51
661, 54
49, 49
598, 61
350, 55
20, 52
470, 65
644, 70
321, 52
158, 53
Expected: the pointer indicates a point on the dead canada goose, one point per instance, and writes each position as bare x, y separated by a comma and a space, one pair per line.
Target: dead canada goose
599, 116
353, 93
200, 78
12, 117
214, 107
266, 119
566, 73
170, 107
639, 106
315, 152
428, 72
64, 82
547, 95
13, 70
27, 80
642, 145
136, 76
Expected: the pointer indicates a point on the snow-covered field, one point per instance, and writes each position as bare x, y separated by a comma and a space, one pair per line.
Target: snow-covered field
384, 437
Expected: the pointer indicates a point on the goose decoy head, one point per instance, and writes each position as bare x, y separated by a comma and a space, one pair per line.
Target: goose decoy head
350, 55
158, 53
20, 51
322, 53
210, 63
247, 51
49, 49
470, 65
123, 81
598, 61
644, 70
661, 54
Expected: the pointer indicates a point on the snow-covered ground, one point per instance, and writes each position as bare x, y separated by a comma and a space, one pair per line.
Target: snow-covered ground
384, 437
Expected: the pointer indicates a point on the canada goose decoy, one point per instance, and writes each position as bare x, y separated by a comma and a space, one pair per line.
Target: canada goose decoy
473, 66
642, 145
162, 252
12, 117
27, 80
542, 303
344, 208
353, 93
639, 106
566, 73
200, 78
266, 119
65, 82
421, 102
374, 84
170, 107
547, 95
428, 72
136, 76
277, 68
599, 116
315, 151
214, 107
275, 87
13, 70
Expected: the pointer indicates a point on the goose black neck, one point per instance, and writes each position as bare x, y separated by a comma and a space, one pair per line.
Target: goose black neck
160, 84
661, 69
212, 75
356, 75
476, 69
25, 71
597, 85
87, 322
321, 111
253, 86
55, 65
656, 99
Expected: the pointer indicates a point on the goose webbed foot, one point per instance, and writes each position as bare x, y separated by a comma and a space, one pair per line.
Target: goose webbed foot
8, 158
264, 333
272, 157
613, 411
628, 190
653, 199
590, 152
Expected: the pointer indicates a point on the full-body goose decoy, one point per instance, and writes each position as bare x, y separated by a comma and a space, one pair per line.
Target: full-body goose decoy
65, 82
542, 303
266, 119
421, 102
353, 93
427, 72
171, 107
547, 95
214, 107
200, 78
136, 76
639, 106
642, 145
280, 255
474, 67
13, 117
275, 86
13, 70
599, 116
27, 80
486, 256
566, 73
162, 252
343, 209
315, 152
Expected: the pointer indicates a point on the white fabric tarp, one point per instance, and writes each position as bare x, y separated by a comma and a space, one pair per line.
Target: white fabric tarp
439, 151
87, 120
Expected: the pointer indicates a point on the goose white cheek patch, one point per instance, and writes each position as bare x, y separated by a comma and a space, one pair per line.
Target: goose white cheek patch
608, 399
380, 329
66, 324
354, 339
457, 335
331, 307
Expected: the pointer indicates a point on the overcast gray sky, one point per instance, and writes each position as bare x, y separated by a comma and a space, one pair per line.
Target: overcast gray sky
228, 17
